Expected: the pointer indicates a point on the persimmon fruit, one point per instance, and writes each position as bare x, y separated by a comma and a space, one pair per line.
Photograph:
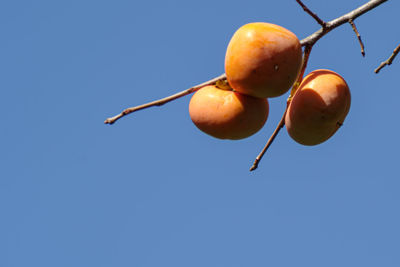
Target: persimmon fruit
318, 108
226, 114
263, 60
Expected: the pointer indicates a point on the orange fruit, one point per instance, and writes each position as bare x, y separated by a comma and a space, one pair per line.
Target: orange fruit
263, 60
318, 108
226, 114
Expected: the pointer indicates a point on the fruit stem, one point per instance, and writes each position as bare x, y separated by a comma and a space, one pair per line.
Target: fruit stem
223, 85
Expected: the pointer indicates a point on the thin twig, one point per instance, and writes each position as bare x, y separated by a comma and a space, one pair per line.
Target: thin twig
330, 25
312, 14
270, 140
281, 123
358, 36
306, 57
389, 60
162, 101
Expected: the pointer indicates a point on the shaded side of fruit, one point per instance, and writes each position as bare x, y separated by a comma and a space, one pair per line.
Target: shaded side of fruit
318, 108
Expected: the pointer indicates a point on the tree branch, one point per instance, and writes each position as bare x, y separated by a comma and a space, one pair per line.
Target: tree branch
165, 100
281, 123
358, 36
330, 25
312, 14
308, 41
389, 60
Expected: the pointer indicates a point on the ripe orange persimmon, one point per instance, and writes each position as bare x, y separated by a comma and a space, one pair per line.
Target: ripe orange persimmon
226, 114
263, 60
318, 108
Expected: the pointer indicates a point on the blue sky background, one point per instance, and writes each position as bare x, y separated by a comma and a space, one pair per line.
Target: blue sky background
152, 190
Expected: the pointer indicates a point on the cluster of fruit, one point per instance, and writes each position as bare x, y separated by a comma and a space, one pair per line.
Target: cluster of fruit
264, 60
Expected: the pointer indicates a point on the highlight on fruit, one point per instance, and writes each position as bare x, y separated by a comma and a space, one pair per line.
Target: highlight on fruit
226, 114
263, 60
318, 108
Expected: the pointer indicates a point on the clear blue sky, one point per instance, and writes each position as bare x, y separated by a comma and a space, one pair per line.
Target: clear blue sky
152, 190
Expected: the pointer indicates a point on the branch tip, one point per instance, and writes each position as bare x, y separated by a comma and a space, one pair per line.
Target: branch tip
389, 60
351, 22
312, 14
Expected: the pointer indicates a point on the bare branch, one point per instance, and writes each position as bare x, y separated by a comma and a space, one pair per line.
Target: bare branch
358, 36
312, 14
308, 41
330, 25
389, 60
163, 101
281, 123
